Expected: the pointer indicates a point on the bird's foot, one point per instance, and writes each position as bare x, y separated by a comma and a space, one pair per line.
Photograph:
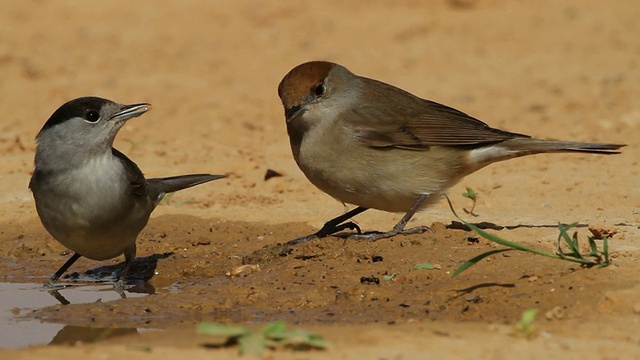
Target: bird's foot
118, 286
332, 230
373, 236
301, 239
49, 285
52, 288
325, 231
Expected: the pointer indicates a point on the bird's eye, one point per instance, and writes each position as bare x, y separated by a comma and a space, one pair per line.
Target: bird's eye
319, 90
92, 116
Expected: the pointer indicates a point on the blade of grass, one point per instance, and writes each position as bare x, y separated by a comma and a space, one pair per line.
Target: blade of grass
594, 248
571, 243
516, 246
496, 238
605, 253
473, 261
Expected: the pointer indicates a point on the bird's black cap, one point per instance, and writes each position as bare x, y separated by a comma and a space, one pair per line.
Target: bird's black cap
75, 108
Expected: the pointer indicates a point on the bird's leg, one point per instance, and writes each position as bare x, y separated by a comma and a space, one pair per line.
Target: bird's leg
399, 227
50, 283
129, 256
333, 226
56, 294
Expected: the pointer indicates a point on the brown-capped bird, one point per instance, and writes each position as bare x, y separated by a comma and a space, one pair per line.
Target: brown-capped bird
371, 144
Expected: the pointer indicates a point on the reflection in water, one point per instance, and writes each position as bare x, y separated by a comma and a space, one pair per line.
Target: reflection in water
18, 300
137, 289
63, 300
18, 328
141, 271
70, 335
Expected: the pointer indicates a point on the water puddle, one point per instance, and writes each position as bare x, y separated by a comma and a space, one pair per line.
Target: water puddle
19, 299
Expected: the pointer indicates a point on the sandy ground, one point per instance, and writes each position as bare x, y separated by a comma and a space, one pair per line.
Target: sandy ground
551, 69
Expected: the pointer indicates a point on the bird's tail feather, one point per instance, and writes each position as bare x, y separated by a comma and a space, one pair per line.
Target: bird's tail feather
158, 187
533, 146
517, 147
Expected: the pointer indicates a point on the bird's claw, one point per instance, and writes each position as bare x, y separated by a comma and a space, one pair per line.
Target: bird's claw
377, 235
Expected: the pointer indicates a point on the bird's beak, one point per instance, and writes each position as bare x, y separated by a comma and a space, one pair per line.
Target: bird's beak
130, 111
291, 113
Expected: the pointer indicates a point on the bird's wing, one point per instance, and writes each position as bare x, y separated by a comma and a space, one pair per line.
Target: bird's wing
137, 182
419, 123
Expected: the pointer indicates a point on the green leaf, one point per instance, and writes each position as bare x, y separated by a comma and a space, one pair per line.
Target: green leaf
529, 315
220, 329
471, 194
525, 326
317, 341
275, 330
300, 338
272, 335
390, 277
423, 266
253, 343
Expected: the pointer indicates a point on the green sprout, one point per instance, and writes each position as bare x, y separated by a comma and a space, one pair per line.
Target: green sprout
473, 195
272, 335
390, 277
525, 326
595, 256
424, 266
